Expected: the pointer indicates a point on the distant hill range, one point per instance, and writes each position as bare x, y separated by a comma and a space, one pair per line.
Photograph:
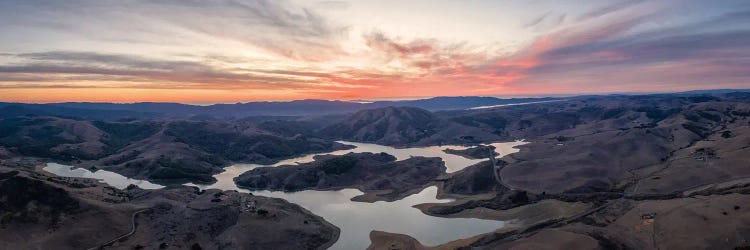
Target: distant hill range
711, 91
92, 110
403, 126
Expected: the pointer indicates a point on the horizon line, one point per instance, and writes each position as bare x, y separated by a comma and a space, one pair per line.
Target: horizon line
395, 99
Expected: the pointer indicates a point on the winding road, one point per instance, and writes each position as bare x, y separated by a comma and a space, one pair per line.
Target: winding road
132, 231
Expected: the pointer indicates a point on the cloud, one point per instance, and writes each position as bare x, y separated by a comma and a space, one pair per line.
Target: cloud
617, 55
112, 60
536, 21
293, 33
273, 26
379, 42
545, 22
335, 5
301, 50
135, 71
622, 4
71, 69
614, 57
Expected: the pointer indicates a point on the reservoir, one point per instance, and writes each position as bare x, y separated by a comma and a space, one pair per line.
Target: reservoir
355, 219
111, 178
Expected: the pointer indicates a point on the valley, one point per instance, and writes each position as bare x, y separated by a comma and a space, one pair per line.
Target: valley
377, 125
591, 172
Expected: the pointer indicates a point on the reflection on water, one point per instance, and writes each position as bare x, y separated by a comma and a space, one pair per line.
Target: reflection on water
453, 162
355, 219
111, 178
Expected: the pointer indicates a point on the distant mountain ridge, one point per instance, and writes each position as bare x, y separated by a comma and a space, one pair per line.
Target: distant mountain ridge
403, 126
291, 108
391, 125
94, 110
22, 109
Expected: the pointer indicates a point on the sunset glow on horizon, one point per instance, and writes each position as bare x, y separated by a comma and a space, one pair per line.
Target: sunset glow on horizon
252, 50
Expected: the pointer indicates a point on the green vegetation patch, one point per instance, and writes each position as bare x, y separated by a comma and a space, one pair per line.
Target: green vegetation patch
120, 134
339, 165
237, 147
30, 137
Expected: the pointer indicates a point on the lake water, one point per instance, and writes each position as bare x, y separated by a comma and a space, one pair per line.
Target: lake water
111, 178
453, 163
355, 219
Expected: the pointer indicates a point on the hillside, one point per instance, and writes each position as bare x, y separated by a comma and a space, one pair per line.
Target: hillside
654, 168
380, 176
621, 156
401, 126
163, 150
46, 212
608, 141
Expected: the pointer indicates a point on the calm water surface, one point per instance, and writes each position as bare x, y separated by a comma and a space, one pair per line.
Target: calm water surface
355, 219
111, 178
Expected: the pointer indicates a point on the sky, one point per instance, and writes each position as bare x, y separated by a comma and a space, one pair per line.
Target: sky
207, 51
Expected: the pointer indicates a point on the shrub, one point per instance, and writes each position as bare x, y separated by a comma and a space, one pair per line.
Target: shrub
339, 165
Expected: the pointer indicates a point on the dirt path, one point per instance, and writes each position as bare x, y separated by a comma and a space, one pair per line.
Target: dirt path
132, 231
